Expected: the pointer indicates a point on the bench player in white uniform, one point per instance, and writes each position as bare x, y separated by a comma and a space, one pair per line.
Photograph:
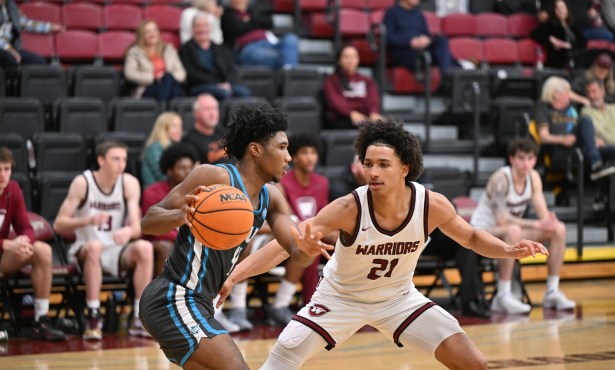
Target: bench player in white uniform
500, 211
383, 228
102, 207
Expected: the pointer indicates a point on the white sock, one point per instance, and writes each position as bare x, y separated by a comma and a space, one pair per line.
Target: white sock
135, 307
285, 294
217, 311
93, 304
41, 307
504, 287
552, 284
239, 294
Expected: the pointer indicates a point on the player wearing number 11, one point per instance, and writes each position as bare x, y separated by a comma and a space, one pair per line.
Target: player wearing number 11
368, 281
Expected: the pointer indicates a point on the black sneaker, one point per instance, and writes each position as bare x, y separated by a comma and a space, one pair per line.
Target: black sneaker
601, 170
44, 329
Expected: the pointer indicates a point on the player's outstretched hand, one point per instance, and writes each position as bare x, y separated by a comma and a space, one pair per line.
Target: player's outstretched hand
189, 200
526, 248
224, 292
310, 243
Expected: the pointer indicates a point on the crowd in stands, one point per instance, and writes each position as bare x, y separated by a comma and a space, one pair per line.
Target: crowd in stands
103, 206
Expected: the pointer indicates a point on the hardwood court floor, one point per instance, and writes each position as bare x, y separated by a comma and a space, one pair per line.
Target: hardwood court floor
584, 339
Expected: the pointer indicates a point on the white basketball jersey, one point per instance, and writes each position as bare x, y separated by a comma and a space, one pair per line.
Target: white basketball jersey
378, 264
484, 215
97, 201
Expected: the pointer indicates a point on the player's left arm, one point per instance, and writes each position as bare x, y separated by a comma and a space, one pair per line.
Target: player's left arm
442, 214
132, 192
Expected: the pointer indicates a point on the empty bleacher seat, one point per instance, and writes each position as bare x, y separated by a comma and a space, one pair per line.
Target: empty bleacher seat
52, 189
43, 45
60, 152
24, 116
491, 25
96, 82
113, 45
260, 80
456, 25
468, 48
121, 17
521, 25
166, 16
84, 116
434, 23
77, 46
134, 115
26, 187
82, 16
512, 116
304, 113
17, 145
43, 82
337, 148
300, 82
500, 51
403, 81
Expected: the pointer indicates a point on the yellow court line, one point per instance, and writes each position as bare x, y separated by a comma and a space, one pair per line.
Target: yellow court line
589, 254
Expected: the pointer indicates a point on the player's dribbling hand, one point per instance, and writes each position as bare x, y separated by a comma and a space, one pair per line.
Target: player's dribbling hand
310, 243
189, 200
224, 292
526, 248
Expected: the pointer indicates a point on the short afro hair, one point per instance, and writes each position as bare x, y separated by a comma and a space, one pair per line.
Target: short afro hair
252, 123
174, 153
391, 133
302, 140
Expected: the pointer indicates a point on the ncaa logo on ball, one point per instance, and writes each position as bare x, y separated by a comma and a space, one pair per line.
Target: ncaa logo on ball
317, 310
232, 197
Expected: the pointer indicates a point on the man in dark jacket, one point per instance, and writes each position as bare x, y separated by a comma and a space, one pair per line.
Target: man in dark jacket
210, 67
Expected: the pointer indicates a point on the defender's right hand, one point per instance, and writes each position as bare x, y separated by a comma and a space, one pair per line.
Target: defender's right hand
189, 200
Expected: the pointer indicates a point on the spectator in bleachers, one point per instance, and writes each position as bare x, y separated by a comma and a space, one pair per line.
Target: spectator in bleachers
351, 98
500, 212
211, 10
560, 36
508, 7
586, 15
601, 70
408, 36
24, 249
352, 178
558, 122
608, 14
176, 162
102, 208
153, 65
446, 7
210, 67
248, 31
167, 130
12, 24
206, 134
601, 113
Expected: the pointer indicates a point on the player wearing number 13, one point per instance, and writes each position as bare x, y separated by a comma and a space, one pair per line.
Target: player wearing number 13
369, 279
102, 207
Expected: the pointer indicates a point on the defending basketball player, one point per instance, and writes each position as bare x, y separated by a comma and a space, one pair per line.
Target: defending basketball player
177, 307
368, 281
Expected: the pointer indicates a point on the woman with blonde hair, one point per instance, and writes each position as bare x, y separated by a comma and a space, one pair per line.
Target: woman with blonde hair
153, 66
167, 130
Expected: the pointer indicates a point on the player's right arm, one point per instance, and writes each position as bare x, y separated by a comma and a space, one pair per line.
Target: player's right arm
65, 220
171, 212
328, 220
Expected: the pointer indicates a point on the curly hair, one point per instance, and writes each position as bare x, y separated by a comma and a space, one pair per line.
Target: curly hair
174, 154
302, 140
252, 123
390, 132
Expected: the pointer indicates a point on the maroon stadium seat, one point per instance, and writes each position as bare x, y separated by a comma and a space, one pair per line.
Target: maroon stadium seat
491, 25
500, 52
113, 45
122, 17
82, 16
404, 82
166, 16
434, 23
77, 46
467, 48
528, 54
456, 25
42, 45
42, 11
520, 25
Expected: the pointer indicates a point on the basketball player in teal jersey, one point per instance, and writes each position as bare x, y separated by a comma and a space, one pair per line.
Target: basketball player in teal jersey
177, 307
383, 229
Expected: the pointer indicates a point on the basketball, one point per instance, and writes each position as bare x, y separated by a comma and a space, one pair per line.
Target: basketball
222, 217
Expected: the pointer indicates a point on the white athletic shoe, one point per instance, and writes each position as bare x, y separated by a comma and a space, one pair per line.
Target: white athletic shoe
507, 303
228, 324
558, 301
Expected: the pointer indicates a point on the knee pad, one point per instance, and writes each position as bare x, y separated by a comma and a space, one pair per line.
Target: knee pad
296, 344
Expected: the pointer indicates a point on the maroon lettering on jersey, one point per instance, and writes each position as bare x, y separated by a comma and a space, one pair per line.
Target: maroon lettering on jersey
390, 249
317, 310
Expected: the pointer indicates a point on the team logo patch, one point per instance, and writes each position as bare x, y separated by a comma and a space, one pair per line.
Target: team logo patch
318, 310
195, 330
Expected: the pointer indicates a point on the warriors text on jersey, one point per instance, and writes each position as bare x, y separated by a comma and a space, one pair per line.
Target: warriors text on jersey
201, 269
376, 264
516, 203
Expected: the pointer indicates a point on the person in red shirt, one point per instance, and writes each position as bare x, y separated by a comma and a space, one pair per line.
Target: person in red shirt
24, 250
177, 161
351, 98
